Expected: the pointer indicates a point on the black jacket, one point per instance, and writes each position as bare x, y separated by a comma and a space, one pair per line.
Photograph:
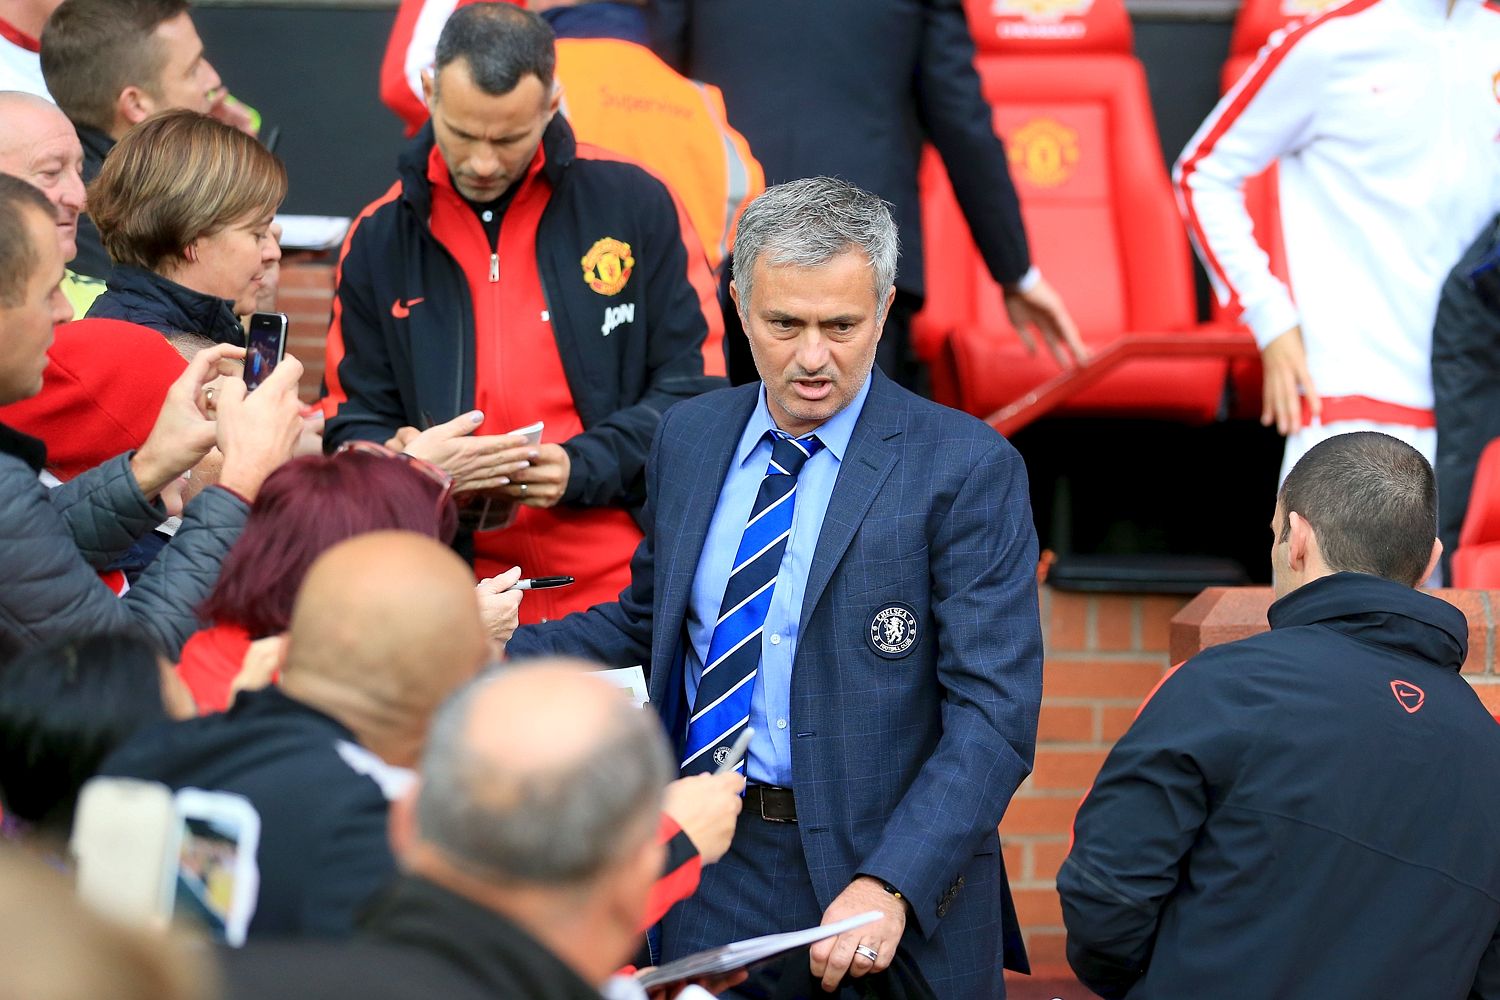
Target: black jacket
1465, 384
418, 367
852, 88
91, 259
418, 940
53, 542
1308, 813
322, 801
136, 295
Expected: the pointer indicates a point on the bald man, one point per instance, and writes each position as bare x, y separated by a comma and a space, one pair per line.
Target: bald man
527, 848
39, 145
385, 628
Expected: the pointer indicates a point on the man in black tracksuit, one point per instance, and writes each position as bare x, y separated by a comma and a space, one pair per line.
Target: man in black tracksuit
1311, 812
517, 273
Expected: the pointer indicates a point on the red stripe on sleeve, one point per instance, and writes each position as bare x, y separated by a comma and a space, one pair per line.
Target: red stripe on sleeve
1248, 88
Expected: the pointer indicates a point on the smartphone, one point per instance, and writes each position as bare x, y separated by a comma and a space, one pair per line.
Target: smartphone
218, 875
265, 346
490, 512
125, 842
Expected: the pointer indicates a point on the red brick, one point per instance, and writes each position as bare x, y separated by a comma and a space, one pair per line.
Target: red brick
1014, 853
1029, 815
1047, 951
1113, 721
1475, 606
1157, 612
1114, 622
1037, 908
1068, 622
1126, 680
1066, 724
1046, 858
1488, 691
1073, 770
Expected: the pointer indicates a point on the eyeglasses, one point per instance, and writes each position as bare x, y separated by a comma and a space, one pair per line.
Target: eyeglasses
432, 472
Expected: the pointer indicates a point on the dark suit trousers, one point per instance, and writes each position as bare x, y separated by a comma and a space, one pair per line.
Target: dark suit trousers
760, 887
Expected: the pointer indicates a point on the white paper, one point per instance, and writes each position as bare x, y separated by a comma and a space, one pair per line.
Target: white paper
631, 679
739, 954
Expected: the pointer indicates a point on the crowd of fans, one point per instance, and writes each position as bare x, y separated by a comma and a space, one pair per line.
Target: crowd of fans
281, 631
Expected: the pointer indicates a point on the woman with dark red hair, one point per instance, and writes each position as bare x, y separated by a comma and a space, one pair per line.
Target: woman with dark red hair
306, 507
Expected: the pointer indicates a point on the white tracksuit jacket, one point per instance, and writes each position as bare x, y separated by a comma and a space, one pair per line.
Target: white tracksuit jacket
1385, 118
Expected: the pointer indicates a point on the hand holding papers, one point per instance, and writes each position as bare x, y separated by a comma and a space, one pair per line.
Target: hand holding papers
743, 954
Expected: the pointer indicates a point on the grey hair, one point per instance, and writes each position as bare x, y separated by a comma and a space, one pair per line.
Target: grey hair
809, 222
500, 43
561, 826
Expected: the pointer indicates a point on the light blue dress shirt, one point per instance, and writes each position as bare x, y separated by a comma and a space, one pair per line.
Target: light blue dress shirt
770, 759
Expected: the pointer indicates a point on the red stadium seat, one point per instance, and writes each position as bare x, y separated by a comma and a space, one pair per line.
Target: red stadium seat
1476, 562
1071, 102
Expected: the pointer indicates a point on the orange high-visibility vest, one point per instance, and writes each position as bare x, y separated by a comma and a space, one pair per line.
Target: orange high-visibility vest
619, 95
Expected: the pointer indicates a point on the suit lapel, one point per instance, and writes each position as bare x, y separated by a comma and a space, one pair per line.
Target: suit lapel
698, 473
865, 467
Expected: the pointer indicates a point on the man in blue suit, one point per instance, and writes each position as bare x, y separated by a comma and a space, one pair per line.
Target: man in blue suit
849, 570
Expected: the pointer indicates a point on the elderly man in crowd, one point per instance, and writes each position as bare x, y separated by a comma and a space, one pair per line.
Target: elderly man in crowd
528, 847
38, 145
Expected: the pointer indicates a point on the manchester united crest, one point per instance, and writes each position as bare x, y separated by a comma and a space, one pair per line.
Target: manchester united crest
1044, 152
607, 266
1042, 10
893, 630
1307, 8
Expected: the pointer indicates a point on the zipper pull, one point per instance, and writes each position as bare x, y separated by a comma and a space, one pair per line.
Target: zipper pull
494, 267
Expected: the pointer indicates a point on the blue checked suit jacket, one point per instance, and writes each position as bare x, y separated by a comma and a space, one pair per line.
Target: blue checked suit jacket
902, 765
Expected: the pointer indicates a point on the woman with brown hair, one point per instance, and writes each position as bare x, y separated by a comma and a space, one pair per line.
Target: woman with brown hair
184, 205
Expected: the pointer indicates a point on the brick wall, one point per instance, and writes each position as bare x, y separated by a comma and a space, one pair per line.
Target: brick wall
306, 297
1104, 654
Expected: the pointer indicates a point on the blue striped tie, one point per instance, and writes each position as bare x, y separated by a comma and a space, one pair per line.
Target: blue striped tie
721, 709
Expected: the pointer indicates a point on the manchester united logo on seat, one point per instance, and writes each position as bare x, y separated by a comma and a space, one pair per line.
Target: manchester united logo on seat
1306, 8
1044, 152
1044, 10
607, 266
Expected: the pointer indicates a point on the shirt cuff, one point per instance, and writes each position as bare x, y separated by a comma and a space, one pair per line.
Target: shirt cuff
1027, 281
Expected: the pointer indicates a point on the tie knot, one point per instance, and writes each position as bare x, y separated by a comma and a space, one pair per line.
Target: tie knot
789, 453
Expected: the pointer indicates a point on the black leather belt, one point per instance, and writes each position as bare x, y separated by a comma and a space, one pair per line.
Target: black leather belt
770, 803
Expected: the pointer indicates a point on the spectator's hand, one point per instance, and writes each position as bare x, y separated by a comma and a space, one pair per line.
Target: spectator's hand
310, 441
184, 432
706, 807
543, 483
833, 957
262, 660
231, 112
1287, 382
713, 984
1041, 307
403, 437
475, 463
258, 430
499, 606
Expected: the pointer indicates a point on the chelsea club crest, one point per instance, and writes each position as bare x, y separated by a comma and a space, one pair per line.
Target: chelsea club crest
893, 630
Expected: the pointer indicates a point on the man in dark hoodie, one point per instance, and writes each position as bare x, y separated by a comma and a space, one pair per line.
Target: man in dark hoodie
1305, 813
